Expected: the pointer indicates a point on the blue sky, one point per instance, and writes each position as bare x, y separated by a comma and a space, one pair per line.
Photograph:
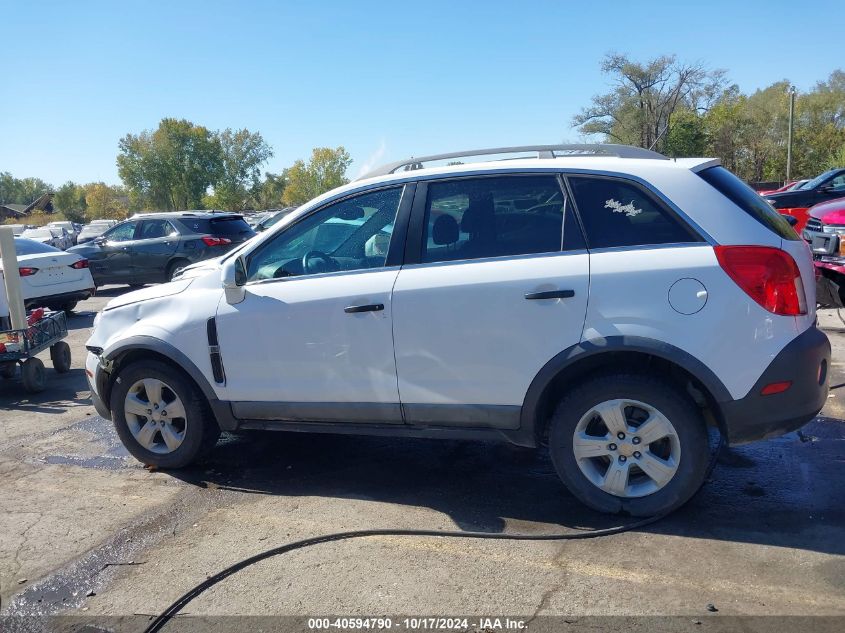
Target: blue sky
384, 79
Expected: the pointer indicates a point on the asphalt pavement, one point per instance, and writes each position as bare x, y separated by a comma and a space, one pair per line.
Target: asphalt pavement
86, 531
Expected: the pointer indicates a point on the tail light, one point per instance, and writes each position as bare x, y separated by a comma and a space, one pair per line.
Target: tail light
768, 275
82, 263
216, 241
26, 271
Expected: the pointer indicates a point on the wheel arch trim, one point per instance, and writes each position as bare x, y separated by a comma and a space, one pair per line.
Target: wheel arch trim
221, 410
532, 402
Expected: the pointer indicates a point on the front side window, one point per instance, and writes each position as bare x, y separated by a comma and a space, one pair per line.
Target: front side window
492, 217
352, 234
121, 233
838, 183
619, 213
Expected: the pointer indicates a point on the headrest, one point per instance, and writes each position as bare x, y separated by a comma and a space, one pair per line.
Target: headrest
478, 217
445, 230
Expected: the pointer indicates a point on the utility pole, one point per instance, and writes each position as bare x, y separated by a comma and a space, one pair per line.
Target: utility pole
789, 140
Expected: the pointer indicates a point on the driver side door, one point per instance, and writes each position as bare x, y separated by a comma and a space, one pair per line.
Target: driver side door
109, 257
312, 341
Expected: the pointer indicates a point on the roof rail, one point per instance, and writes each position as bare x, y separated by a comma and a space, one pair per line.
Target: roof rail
542, 151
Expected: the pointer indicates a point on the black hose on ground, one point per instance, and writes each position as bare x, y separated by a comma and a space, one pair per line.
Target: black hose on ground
164, 617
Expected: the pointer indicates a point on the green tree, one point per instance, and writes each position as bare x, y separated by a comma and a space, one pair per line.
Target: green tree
69, 200
639, 108
324, 171
686, 136
242, 155
105, 202
171, 167
21, 190
269, 193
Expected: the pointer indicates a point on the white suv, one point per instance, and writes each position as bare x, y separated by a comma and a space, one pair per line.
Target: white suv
604, 300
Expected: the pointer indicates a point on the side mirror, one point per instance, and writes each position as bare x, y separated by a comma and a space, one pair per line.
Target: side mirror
791, 219
100, 241
233, 278
826, 188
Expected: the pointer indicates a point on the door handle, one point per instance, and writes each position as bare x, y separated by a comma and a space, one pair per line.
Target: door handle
370, 307
550, 294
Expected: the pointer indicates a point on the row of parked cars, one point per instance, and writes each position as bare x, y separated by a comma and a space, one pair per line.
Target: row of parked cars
63, 234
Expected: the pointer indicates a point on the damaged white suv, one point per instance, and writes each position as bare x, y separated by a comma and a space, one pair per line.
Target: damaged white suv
604, 300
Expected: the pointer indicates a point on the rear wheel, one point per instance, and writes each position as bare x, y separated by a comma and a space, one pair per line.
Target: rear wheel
69, 306
60, 355
631, 443
175, 266
161, 416
33, 375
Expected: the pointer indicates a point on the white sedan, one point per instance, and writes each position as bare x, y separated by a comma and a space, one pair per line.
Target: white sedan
50, 277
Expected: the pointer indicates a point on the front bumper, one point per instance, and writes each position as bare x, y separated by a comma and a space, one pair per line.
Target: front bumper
94, 374
805, 362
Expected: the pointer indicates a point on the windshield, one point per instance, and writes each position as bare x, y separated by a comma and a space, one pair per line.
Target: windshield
24, 246
818, 180
37, 233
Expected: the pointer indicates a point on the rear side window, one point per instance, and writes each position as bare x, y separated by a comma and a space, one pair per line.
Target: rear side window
749, 201
619, 213
492, 217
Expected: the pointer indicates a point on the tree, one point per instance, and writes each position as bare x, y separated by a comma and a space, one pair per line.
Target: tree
242, 155
105, 202
21, 190
269, 194
69, 200
324, 171
173, 166
639, 109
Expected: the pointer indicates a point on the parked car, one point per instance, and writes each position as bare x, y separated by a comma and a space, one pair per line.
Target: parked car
827, 186
17, 229
272, 218
790, 186
612, 305
52, 236
70, 229
94, 229
825, 234
50, 277
152, 247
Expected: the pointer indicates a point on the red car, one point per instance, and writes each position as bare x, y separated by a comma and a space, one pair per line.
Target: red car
790, 185
825, 233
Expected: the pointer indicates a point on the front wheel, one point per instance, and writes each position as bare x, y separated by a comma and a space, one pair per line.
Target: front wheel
161, 416
632, 443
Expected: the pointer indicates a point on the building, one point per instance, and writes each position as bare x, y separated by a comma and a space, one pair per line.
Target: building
9, 211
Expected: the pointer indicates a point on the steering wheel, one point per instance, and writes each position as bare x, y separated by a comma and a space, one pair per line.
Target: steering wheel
329, 264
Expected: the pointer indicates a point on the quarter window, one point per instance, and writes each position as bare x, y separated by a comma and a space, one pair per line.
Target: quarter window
352, 234
619, 213
492, 217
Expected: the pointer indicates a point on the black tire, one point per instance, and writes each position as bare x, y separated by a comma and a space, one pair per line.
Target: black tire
33, 375
8, 370
201, 430
175, 266
681, 412
60, 355
69, 306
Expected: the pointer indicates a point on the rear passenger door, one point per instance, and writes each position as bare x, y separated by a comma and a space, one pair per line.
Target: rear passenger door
494, 285
155, 242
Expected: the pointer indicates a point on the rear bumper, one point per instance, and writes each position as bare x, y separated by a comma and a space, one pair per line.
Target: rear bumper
805, 362
56, 300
